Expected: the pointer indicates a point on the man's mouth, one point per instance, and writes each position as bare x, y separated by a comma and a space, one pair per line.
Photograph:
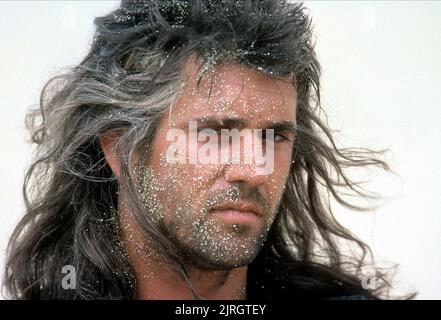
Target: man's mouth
238, 212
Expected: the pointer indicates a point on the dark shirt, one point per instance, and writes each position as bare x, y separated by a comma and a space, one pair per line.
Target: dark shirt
264, 286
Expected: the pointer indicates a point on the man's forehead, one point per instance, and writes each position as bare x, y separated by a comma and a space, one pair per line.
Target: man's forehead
236, 91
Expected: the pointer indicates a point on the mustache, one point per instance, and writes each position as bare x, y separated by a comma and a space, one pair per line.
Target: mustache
235, 193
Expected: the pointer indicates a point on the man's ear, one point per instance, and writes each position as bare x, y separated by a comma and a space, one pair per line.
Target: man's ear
107, 142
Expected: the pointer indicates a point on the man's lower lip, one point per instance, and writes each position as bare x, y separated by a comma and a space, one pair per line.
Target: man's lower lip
235, 216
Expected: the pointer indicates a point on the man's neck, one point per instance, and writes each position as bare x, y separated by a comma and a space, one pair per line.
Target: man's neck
157, 280
163, 284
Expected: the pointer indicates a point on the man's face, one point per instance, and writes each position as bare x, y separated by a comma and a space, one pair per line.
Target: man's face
219, 214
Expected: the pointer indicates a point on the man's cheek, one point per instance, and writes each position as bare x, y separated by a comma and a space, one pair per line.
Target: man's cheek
278, 181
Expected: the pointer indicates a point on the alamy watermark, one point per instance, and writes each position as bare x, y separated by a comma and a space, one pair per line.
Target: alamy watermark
209, 146
368, 281
69, 281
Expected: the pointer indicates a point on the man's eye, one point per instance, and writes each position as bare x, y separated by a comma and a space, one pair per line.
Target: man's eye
277, 137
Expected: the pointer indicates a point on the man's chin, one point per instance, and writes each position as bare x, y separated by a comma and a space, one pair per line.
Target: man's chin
204, 263
224, 247
224, 256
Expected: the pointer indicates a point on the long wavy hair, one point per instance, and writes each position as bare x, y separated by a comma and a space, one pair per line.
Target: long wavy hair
127, 81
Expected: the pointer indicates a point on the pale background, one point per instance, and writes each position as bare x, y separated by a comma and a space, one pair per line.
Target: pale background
381, 85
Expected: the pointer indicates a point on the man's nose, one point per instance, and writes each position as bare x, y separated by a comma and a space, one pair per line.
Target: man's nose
244, 167
248, 173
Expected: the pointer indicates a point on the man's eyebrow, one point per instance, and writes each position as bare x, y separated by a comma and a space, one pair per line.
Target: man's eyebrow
217, 122
281, 126
232, 122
